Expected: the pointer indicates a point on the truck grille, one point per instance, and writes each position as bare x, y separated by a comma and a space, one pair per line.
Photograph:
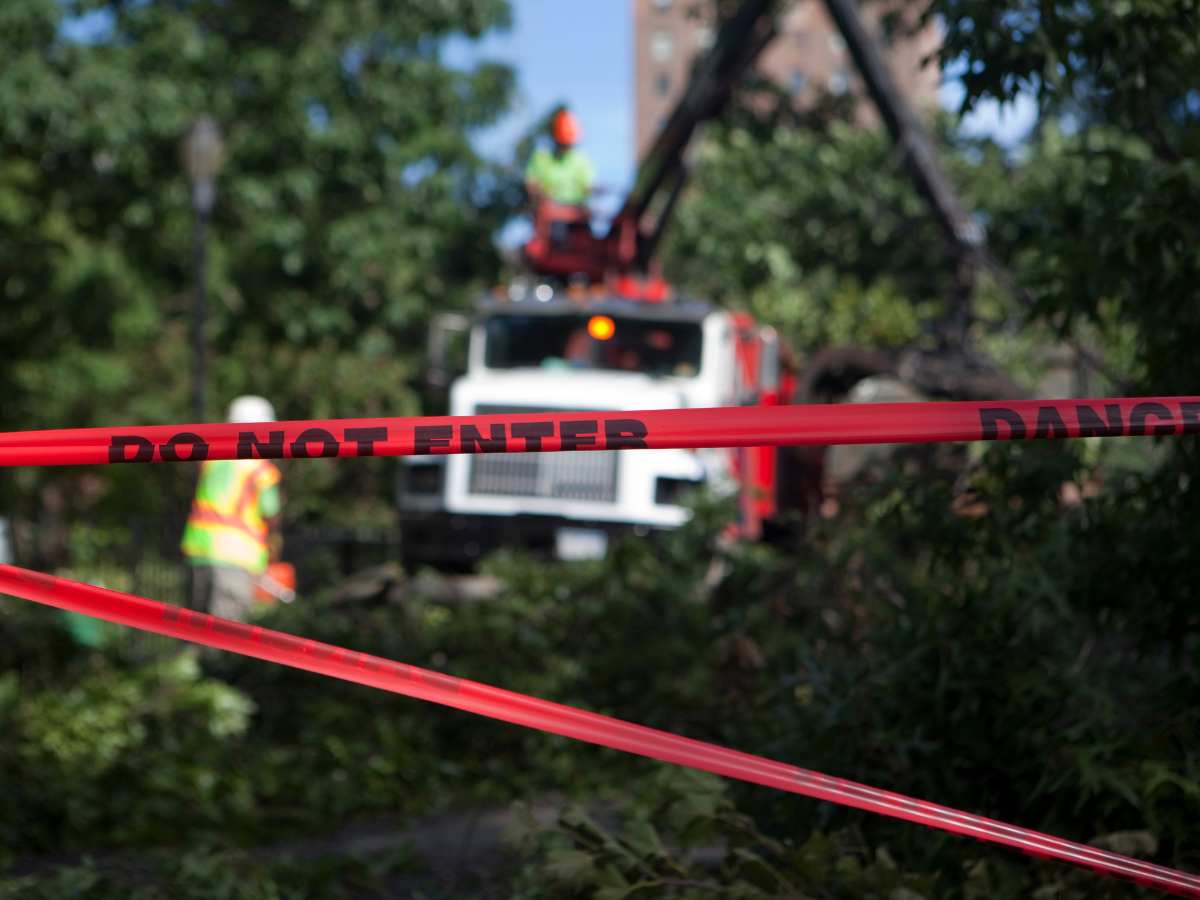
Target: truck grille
583, 475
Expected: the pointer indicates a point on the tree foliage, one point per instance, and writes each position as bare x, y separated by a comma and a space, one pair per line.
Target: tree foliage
351, 204
686, 839
1053, 648
933, 649
1124, 77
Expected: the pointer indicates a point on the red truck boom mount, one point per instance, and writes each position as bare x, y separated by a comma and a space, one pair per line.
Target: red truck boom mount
563, 245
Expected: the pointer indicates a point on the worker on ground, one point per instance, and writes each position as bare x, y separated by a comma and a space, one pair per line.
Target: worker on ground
563, 175
231, 533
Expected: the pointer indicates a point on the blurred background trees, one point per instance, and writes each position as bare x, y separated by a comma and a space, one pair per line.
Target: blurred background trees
351, 205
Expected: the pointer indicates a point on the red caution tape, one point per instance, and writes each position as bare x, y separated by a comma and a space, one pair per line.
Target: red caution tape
519, 709
756, 426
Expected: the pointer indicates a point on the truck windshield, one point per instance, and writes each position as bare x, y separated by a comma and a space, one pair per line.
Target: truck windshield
583, 342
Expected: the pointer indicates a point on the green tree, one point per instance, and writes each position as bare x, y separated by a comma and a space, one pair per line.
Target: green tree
987, 644
351, 205
1124, 79
833, 247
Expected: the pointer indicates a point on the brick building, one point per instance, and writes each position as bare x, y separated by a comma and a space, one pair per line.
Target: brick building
807, 57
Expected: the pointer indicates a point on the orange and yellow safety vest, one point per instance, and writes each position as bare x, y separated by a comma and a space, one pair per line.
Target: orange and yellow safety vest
228, 525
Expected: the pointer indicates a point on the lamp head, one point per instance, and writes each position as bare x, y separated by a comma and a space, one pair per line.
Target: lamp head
202, 150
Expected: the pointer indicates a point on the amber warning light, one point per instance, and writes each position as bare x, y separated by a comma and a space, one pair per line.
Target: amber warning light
601, 327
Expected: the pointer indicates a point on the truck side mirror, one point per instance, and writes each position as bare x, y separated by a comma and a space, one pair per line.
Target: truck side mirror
8, 554
440, 369
768, 360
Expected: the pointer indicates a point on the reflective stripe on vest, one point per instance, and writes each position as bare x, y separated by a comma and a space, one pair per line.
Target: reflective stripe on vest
226, 524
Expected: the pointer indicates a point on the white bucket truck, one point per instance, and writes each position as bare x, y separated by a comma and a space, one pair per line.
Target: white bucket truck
541, 351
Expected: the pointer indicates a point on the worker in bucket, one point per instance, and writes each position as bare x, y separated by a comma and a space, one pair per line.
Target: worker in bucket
232, 532
563, 174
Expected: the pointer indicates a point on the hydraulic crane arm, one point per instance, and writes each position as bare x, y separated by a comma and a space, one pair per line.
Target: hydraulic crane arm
959, 369
740, 40
919, 156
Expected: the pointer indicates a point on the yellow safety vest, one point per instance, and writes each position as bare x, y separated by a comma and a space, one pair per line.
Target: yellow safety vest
226, 525
566, 179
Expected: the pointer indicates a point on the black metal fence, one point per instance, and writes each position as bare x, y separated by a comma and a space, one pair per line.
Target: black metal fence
323, 556
143, 557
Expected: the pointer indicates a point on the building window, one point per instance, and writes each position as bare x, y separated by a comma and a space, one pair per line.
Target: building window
705, 38
662, 4
837, 44
839, 83
663, 85
662, 46
889, 27
796, 81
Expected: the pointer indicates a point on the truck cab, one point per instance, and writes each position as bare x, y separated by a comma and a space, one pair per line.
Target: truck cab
540, 349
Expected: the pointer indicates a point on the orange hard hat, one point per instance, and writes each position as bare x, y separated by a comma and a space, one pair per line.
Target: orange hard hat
565, 128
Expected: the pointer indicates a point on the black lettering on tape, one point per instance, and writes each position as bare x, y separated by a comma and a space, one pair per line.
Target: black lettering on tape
1189, 411
285, 642
199, 621
1091, 425
40, 578
1143, 411
116, 450
366, 438
1050, 423
469, 437
991, 415
574, 433
438, 680
351, 658
232, 629
624, 434
249, 444
533, 432
323, 651
329, 444
170, 453
171, 613
428, 437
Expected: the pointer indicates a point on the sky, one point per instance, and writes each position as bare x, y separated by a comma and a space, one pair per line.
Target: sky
578, 52
1006, 123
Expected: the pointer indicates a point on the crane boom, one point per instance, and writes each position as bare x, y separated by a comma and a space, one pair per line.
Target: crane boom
740, 40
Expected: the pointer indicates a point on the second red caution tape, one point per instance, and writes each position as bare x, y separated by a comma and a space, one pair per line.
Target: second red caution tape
337, 662
753, 426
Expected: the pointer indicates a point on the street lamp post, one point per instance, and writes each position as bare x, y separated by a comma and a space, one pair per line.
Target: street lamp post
201, 152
